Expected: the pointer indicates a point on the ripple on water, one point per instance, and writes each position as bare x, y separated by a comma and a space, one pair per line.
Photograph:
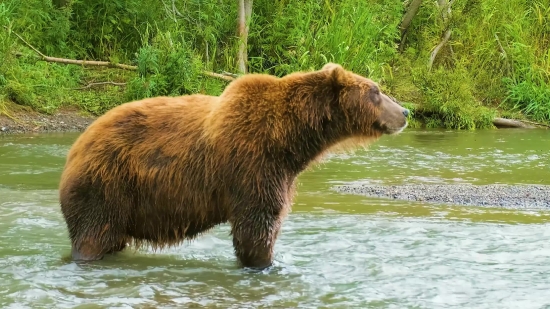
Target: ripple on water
324, 258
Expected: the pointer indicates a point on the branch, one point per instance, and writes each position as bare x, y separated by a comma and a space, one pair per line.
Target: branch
176, 9
444, 41
230, 74
445, 7
225, 77
509, 67
90, 85
73, 61
90, 63
220, 76
406, 21
500, 46
171, 14
411, 12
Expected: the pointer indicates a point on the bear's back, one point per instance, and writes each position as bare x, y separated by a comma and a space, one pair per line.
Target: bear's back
147, 142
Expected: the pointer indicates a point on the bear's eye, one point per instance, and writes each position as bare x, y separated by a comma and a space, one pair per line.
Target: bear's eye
374, 95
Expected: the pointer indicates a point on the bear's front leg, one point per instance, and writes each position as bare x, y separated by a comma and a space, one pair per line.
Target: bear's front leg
254, 237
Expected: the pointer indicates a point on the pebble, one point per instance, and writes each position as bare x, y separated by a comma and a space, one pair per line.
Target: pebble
495, 195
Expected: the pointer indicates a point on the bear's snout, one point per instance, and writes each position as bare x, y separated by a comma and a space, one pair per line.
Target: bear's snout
406, 112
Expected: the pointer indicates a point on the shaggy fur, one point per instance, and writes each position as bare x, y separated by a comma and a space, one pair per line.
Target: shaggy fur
166, 169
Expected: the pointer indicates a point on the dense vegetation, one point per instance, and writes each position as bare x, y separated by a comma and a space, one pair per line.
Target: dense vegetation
497, 60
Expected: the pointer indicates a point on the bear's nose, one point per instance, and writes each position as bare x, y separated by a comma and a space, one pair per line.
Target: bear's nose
406, 112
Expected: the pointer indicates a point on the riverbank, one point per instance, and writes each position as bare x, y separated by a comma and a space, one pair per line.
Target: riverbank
506, 196
63, 120
73, 119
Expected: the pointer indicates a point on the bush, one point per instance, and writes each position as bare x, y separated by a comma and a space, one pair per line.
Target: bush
450, 102
169, 67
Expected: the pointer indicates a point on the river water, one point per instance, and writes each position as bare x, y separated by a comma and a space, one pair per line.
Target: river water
335, 250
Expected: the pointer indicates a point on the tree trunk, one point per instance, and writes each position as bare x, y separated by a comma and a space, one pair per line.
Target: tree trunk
444, 41
411, 12
445, 7
245, 13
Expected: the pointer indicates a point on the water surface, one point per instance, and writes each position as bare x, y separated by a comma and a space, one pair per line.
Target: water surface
335, 251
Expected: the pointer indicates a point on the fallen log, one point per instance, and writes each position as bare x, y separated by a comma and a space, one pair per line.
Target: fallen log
502, 123
90, 85
43, 57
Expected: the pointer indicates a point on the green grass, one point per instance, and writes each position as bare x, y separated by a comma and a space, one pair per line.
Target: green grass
497, 62
46, 87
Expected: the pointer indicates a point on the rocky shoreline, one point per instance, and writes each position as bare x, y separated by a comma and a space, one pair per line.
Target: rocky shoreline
506, 196
67, 120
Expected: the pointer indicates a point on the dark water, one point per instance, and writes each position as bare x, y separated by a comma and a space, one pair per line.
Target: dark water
335, 251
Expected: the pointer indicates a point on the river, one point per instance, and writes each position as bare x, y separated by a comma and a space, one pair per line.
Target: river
335, 250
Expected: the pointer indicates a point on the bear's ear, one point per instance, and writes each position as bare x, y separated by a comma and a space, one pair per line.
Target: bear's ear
331, 66
338, 75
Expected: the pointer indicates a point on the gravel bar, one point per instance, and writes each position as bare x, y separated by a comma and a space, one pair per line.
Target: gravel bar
24, 122
507, 196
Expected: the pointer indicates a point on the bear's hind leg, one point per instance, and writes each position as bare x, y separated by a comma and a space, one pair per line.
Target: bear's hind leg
96, 226
253, 241
95, 248
93, 244
88, 250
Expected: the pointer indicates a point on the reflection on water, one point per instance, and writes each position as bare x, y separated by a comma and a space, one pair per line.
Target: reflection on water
483, 157
337, 251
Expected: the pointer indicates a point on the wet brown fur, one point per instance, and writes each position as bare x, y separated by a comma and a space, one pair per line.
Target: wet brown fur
166, 169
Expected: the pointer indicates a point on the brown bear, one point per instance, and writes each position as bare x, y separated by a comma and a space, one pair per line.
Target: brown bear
165, 169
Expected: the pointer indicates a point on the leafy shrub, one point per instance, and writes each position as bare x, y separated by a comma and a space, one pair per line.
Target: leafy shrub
450, 101
169, 67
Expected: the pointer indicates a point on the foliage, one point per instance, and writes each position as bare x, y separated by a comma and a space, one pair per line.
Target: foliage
496, 62
293, 35
528, 86
169, 67
111, 29
450, 100
503, 45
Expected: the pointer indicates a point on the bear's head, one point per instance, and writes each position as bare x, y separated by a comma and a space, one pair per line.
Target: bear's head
368, 110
